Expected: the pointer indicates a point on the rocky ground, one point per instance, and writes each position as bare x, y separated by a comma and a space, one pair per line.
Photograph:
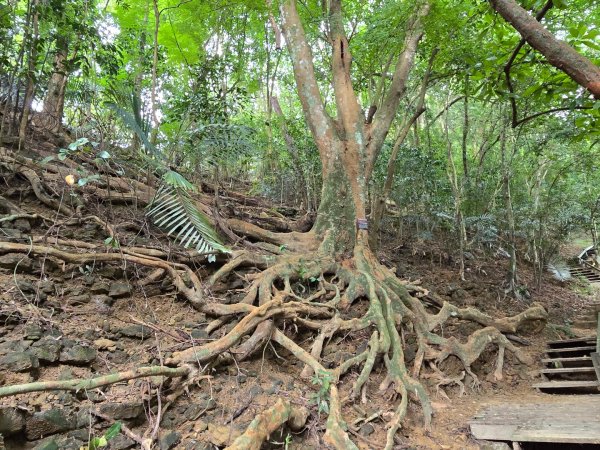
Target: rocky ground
66, 321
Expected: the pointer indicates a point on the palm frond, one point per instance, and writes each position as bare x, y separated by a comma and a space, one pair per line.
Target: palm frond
130, 120
559, 270
174, 210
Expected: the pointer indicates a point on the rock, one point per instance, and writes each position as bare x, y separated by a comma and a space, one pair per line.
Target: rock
366, 429
78, 354
100, 287
47, 422
126, 410
169, 440
298, 420
76, 300
136, 331
11, 421
119, 289
49, 444
46, 349
22, 263
14, 346
221, 435
19, 362
105, 344
22, 225
199, 333
121, 442
256, 390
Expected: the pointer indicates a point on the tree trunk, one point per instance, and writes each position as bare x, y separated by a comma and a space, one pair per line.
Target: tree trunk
349, 144
30, 73
560, 55
54, 101
379, 204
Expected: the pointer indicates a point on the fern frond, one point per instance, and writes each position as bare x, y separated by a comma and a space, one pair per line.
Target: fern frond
174, 210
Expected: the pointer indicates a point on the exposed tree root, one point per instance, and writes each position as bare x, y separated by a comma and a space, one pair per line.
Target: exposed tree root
269, 421
312, 291
93, 383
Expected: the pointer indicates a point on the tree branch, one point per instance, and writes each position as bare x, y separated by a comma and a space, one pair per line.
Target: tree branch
319, 122
513, 102
383, 118
559, 54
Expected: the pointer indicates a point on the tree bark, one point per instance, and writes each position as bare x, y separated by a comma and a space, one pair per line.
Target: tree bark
559, 54
30, 72
379, 203
54, 101
347, 145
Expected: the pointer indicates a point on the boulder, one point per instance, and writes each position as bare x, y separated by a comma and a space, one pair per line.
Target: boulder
78, 354
50, 421
119, 289
19, 362
22, 263
126, 410
46, 349
12, 421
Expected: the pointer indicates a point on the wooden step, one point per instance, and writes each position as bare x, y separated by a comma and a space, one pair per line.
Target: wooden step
587, 348
578, 361
566, 384
567, 342
567, 370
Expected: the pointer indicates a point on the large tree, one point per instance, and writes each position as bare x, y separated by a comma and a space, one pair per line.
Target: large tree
336, 252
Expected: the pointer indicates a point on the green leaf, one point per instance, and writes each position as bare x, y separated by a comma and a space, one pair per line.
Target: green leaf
46, 160
113, 431
104, 155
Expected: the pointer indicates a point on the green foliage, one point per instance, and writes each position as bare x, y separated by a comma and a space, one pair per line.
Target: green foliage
102, 441
321, 397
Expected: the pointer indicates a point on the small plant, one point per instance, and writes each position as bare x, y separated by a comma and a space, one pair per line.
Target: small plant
86, 270
287, 442
102, 441
112, 242
321, 397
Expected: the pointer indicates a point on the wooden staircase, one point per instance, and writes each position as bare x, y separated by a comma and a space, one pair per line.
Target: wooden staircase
587, 271
572, 365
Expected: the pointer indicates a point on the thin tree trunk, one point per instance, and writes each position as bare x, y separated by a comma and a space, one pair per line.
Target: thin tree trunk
457, 193
54, 101
562, 56
154, 106
27, 101
293, 151
511, 278
379, 203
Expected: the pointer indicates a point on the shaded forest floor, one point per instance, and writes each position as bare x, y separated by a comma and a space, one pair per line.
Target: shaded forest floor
61, 321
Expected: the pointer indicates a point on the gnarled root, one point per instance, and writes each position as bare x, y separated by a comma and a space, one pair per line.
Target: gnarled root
312, 292
269, 421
